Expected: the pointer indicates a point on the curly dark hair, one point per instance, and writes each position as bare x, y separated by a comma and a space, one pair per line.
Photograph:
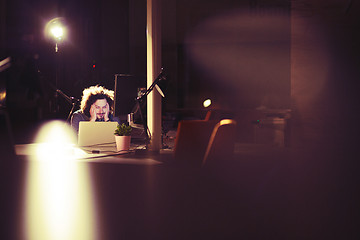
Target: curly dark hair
92, 94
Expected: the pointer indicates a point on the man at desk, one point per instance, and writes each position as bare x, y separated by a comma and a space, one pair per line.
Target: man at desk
96, 105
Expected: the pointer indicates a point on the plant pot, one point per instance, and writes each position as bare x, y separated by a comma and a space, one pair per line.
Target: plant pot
122, 143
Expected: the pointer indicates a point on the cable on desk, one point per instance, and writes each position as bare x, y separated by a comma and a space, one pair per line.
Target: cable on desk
109, 155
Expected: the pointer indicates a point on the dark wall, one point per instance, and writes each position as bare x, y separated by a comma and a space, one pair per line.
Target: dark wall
325, 73
103, 38
235, 52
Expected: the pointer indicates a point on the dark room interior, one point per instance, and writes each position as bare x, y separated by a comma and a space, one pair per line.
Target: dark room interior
285, 71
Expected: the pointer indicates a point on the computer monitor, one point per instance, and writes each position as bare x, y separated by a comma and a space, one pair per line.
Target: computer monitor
126, 90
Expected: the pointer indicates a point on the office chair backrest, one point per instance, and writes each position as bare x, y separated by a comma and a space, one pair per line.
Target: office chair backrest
191, 141
221, 143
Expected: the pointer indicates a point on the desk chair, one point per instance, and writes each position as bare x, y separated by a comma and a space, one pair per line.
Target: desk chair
191, 141
221, 143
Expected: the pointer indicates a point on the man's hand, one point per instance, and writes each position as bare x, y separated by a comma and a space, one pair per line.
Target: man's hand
107, 110
92, 113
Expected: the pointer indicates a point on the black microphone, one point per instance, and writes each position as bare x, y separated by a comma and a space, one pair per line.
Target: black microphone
162, 75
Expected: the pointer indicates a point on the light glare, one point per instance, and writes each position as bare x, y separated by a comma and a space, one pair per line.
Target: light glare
56, 132
207, 103
56, 29
58, 203
57, 32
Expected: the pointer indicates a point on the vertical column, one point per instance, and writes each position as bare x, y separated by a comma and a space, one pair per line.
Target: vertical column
153, 38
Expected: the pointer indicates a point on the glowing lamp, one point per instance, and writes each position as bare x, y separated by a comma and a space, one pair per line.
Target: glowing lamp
55, 29
57, 32
207, 103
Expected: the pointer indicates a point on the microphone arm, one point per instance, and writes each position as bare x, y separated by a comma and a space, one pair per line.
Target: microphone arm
154, 84
139, 99
4, 64
71, 100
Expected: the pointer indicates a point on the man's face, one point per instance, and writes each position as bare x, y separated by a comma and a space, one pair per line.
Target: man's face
101, 107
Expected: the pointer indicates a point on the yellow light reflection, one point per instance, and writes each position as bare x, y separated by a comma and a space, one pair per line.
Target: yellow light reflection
2, 96
58, 203
207, 103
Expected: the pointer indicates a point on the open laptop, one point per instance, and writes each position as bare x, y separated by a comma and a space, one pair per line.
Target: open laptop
96, 133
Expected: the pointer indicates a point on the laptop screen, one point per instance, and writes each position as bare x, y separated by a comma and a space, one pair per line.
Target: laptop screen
96, 133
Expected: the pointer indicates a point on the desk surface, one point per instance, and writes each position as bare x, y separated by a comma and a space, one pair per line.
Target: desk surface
124, 201
104, 154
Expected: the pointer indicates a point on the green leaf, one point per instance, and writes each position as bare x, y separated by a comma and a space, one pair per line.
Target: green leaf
123, 130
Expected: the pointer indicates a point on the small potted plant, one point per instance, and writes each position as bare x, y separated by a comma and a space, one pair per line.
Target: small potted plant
123, 137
